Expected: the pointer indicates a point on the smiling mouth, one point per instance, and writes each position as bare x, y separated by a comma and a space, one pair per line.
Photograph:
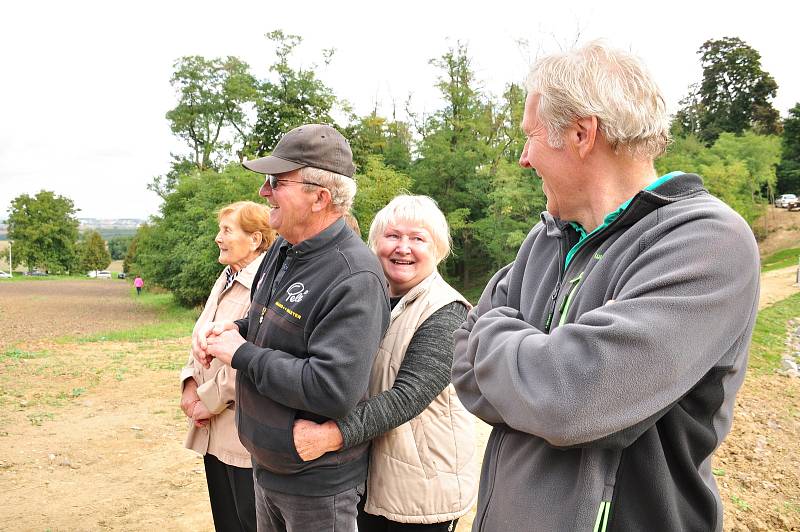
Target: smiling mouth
402, 262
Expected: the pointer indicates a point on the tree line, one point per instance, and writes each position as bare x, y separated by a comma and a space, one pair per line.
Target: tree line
464, 154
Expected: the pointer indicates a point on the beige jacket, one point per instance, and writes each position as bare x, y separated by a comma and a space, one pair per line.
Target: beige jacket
216, 386
421, 471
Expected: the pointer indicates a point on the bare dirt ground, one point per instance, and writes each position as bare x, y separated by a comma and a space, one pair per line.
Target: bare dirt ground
91, 433
783, 230
35, 310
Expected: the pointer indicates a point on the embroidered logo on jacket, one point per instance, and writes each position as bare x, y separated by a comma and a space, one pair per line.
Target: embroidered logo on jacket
295, 293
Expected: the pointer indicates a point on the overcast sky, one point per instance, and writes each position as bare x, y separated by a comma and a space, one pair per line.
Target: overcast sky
85, 84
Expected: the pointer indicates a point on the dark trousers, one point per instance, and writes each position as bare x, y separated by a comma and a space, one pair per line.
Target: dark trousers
283, 512
233, 501
378, 523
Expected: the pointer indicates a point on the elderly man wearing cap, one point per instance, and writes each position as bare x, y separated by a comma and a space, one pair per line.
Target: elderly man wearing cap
319, 310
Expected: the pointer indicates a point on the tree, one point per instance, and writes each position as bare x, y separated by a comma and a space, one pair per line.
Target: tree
92, 253
297, 97
177, 250
735, 93
515, 197
789, 168
212, 97
118, 246
457, 142
375, 135
736, 169
377, 185
44, 230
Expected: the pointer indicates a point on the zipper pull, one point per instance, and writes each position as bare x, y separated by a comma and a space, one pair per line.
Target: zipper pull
261, 318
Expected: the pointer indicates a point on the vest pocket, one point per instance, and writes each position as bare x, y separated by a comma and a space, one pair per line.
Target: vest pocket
421, 443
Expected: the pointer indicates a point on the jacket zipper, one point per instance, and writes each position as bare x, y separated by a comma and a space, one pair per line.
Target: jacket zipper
564, 310
557, 289
601, 522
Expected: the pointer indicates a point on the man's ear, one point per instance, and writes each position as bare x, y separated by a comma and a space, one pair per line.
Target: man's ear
322, 200
583, 134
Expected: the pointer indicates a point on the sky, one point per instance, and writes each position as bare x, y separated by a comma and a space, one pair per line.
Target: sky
85, 84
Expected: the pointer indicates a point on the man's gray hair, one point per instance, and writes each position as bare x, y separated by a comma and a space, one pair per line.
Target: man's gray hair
342, 188
611, 84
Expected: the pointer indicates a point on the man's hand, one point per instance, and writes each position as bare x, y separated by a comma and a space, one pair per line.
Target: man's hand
200, 340
312, 440
201, 415
189, 397
222, 345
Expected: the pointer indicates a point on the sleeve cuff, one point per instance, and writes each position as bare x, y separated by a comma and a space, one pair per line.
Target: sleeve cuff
244, 355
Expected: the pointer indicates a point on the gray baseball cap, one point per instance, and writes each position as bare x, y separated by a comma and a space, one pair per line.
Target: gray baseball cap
315, 145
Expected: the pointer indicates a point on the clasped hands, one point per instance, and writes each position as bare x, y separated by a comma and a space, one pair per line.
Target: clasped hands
218, 340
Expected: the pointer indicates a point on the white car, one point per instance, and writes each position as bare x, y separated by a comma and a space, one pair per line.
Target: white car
4, 275
784, 200
99, 274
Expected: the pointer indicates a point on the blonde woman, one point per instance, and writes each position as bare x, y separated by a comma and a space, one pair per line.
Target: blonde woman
420, 472
208, 395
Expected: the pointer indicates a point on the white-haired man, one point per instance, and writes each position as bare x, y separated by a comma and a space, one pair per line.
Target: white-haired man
608, 354
305, 351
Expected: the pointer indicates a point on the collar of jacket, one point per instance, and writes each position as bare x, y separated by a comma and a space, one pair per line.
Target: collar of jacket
248, 273
328, 238
413, 294
643, 203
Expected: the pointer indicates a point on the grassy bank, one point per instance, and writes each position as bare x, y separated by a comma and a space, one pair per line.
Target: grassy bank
769, 336
782, 259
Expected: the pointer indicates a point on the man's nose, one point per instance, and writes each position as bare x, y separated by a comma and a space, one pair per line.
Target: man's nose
265, 191
523, 157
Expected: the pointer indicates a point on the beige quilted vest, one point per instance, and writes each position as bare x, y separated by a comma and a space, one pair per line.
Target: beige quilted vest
421, 471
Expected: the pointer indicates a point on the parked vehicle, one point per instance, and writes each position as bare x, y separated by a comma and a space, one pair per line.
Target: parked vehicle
99, 274
35, 273
122, 275
4, 275
785, 200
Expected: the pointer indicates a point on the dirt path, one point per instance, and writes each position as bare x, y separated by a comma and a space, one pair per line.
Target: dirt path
91, 433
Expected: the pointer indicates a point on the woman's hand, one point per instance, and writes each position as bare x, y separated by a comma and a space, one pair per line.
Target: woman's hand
189, 397
201, 415
312, 440
200, 339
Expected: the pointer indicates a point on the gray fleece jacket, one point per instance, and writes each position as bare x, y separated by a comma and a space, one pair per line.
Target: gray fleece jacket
611, 383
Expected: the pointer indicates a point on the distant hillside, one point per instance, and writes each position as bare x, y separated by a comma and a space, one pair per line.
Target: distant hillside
108, 228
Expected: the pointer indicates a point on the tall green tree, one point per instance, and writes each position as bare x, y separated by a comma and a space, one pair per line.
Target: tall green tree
295, 97
789, 168
92, 253
735, 93
177, 250
213, 96
515, 197
44, 230
457, 142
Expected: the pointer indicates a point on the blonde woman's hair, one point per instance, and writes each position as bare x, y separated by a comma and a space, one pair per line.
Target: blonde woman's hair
252, 217
416, 210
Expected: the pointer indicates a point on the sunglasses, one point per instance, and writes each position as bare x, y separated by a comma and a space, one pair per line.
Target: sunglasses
273, 182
